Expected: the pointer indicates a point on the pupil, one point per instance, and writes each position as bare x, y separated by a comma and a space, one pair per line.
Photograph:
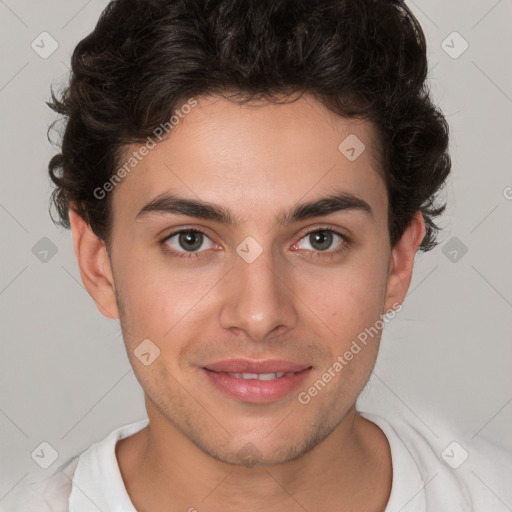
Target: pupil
188, 238
323, 238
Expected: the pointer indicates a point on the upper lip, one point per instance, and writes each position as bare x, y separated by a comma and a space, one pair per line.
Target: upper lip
256, 366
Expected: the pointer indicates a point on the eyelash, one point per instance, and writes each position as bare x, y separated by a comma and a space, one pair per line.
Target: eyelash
194, 255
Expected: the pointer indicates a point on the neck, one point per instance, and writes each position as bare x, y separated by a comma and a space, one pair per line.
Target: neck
349, 470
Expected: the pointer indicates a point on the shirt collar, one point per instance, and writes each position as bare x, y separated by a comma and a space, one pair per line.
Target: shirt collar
97, 482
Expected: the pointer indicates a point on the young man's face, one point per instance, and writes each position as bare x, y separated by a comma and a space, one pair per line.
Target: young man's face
221, 307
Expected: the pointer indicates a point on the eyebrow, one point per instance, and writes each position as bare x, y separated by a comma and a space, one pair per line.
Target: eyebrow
170, 203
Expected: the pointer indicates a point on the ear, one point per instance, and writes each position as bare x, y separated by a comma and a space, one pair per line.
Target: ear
94, 264
402, 261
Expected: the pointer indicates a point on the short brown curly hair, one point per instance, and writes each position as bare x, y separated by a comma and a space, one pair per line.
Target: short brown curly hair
360, 58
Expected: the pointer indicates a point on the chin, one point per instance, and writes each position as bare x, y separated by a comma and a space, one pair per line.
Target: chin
251, 450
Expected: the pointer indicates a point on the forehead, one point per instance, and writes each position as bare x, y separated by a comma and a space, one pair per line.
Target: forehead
257, 156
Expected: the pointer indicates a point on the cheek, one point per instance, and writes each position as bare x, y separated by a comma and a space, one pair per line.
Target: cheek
348, 298
159, 298
350, 304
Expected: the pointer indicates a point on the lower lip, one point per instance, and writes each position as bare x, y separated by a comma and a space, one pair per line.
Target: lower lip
253, 390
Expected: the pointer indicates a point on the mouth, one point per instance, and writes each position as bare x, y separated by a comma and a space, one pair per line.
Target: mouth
259, 376
255, 381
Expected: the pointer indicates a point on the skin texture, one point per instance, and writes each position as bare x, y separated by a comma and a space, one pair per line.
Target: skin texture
294, 302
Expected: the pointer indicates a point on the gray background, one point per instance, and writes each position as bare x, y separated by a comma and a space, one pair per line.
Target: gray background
65, 378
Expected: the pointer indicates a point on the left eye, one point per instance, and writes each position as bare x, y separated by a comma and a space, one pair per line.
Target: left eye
320, 240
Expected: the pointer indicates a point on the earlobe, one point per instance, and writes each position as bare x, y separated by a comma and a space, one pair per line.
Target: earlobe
94, 265
402, 261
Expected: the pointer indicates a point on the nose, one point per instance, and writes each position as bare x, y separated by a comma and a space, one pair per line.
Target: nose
257, 298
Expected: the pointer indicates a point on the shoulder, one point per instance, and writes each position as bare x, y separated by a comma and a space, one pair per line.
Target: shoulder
54, 493
469, 474
48, 495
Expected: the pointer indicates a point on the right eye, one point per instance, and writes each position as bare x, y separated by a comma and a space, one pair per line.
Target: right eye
186, 243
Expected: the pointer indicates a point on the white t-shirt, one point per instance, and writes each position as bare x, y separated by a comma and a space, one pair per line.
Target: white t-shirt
429, 475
